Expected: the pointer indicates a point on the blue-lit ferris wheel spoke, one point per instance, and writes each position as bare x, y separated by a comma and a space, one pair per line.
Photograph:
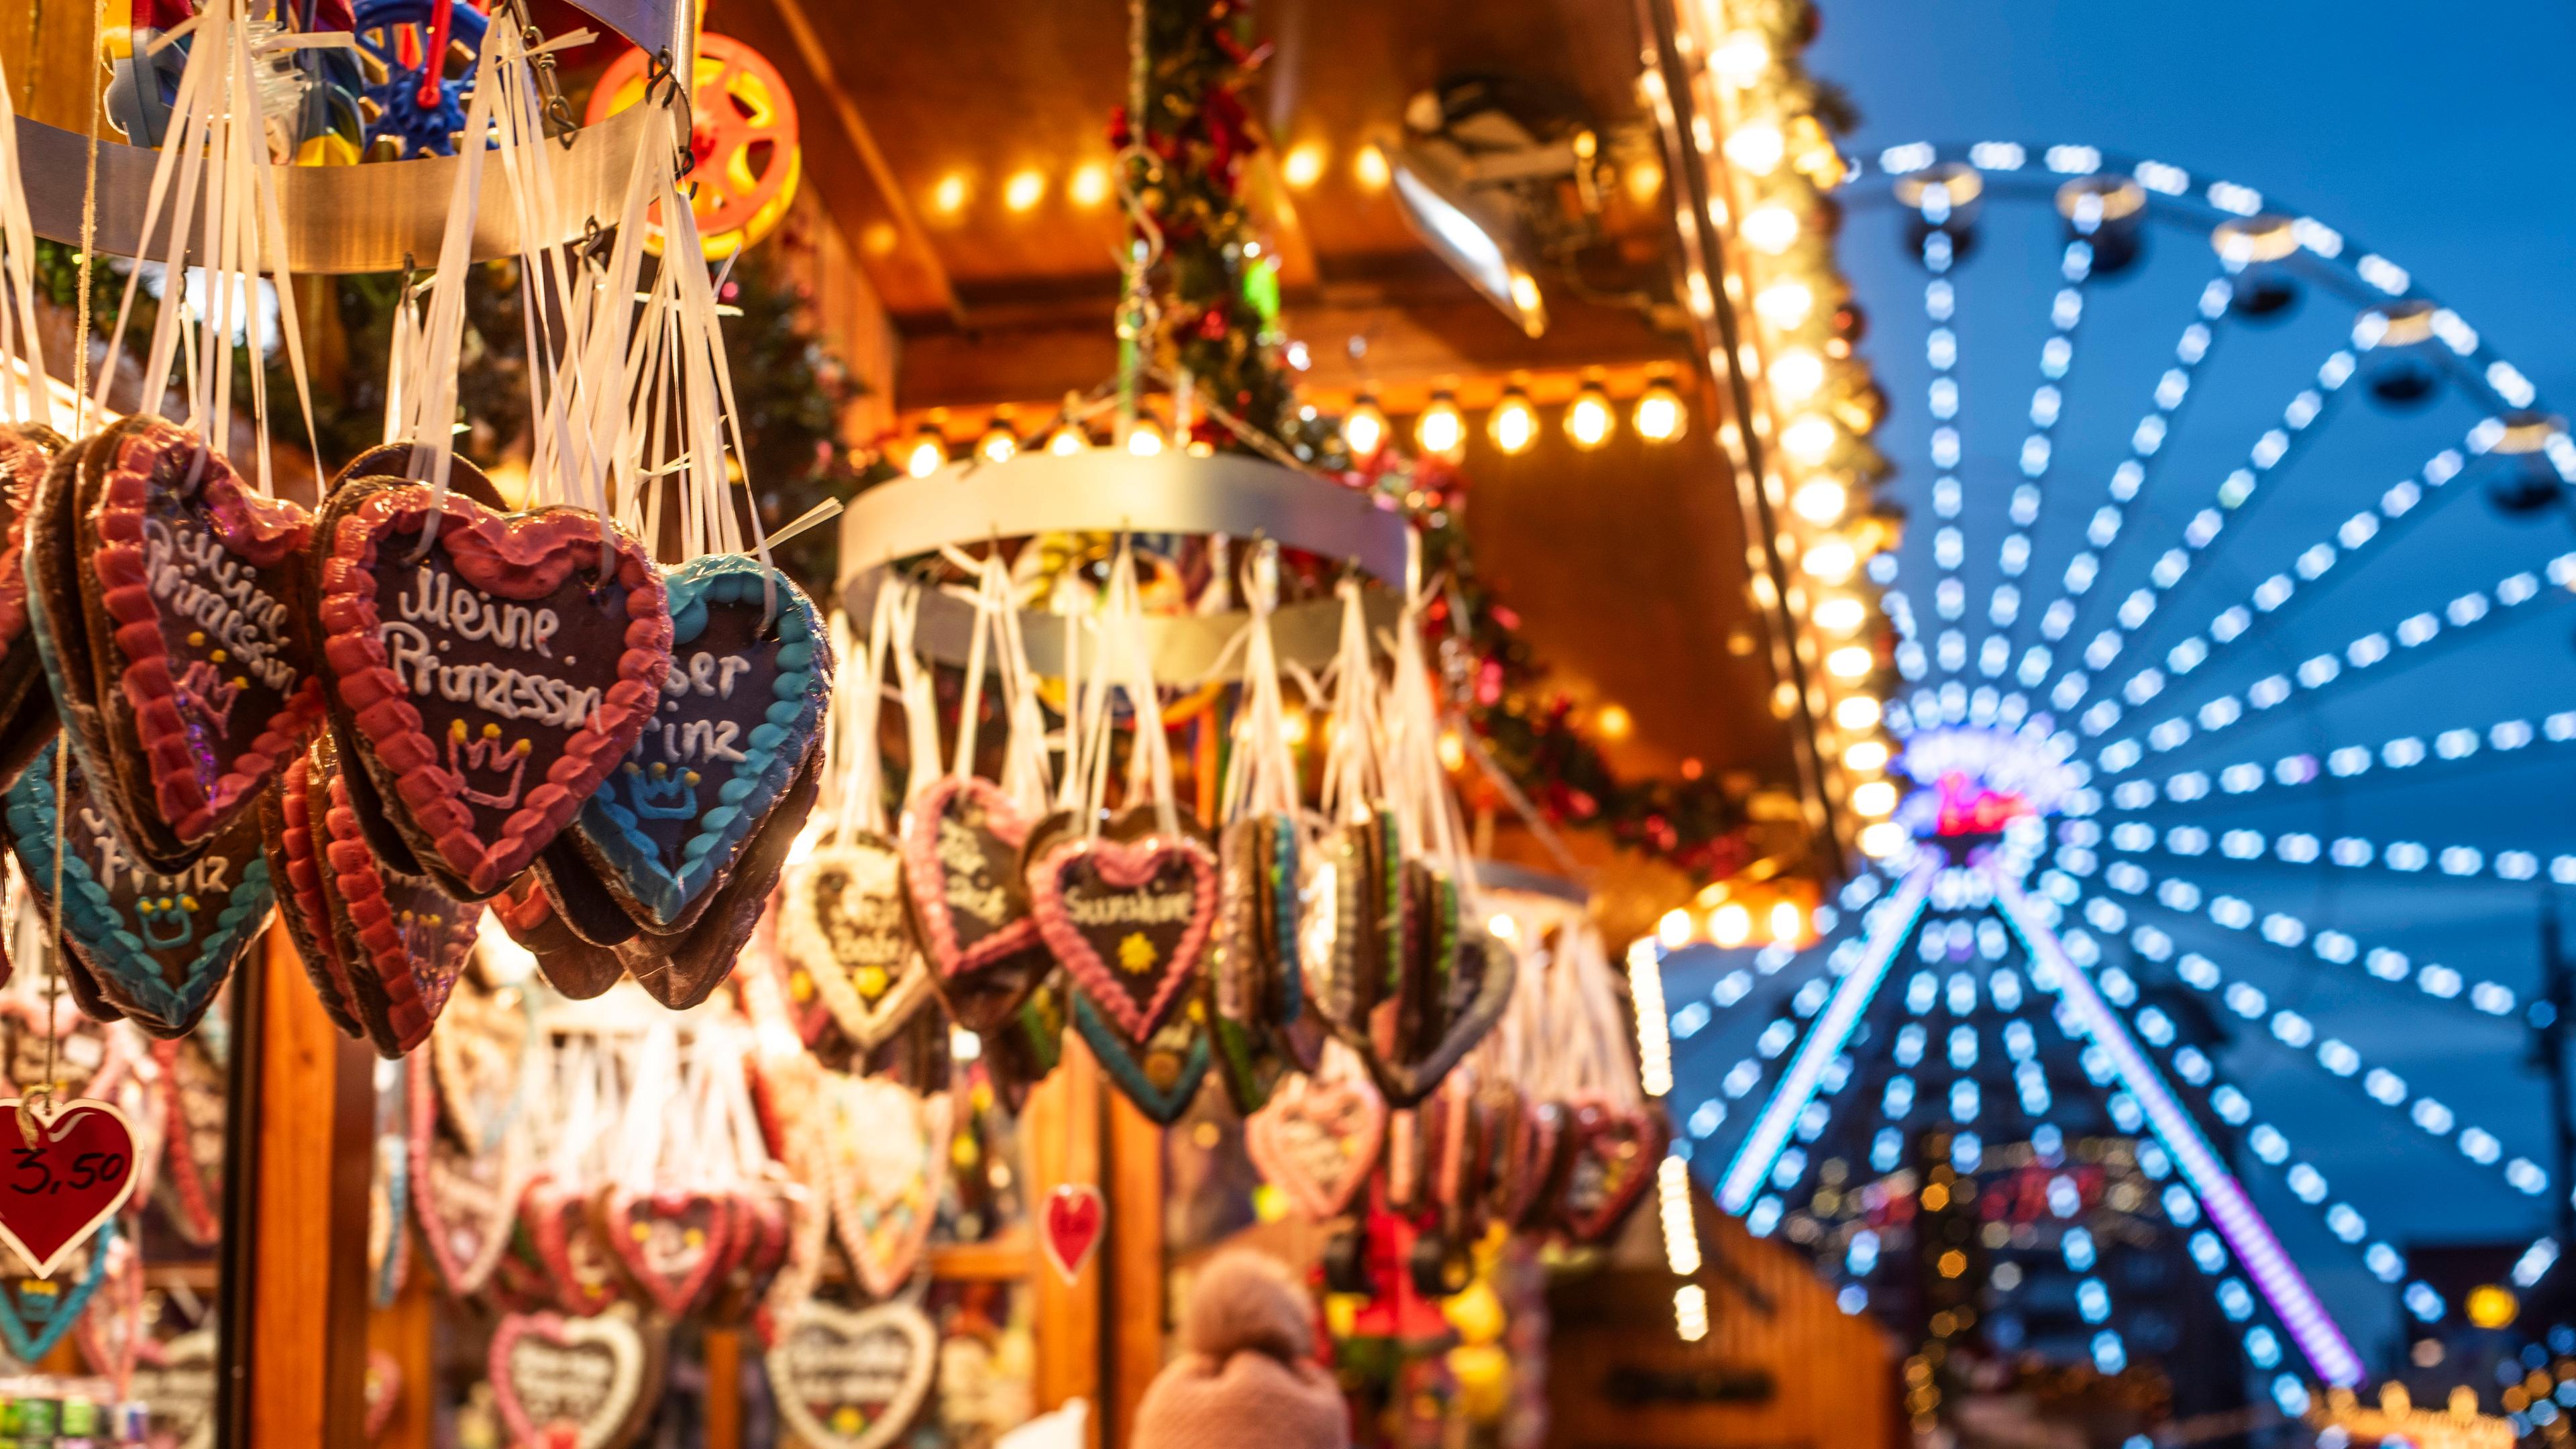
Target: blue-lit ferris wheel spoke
2285, 931
2220, 1195
2146, 441
2412, 859
2412, 640
2342, 766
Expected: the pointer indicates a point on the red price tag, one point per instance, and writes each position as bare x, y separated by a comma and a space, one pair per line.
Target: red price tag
58, 1185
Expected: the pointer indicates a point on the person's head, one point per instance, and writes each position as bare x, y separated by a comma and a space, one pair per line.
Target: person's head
1247, 1374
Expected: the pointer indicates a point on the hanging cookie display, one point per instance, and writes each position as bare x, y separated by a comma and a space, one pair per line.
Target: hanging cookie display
28, 443
401, 940
1613, 1138
848, 1380
151, 946
1256, 995
1318, 1138
587, 1382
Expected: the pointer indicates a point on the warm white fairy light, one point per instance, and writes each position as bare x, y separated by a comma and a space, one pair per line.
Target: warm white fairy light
1654, 1032
1673, 1205
1690, 1312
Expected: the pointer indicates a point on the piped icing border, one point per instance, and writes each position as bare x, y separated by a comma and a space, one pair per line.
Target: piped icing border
1124, 865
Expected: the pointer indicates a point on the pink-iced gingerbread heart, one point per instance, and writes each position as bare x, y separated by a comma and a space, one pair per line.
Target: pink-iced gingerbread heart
1129, 920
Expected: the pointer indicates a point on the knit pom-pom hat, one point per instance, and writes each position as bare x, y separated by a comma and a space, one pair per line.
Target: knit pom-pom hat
1247, 1378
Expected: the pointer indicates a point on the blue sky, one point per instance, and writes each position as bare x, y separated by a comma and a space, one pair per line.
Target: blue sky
2445, 147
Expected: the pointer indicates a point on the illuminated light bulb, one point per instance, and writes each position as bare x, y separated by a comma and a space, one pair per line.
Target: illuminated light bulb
1441, 431
1873, 798
1882, 840
1660, 413
1294, 728
928, 452
1730, 925
1785, 304
1514, 423
1089, 186
1829, 560
1771, 230
1788, 923
1852, 661
1589, 419
1795, 376
1859, 712
1613, 721
1524, 291
1841, 613
1865, 757
1024, 190
1067, 440
1364, 428
1369, 169
1756, 147
1453, 751
948, 197
998, 443
1674, 929
1810, 438
1502, 928
1303, 166
1145, 437
1820, 500
1740, 58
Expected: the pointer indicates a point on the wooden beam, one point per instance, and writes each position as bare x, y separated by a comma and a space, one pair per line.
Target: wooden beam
1135, 1251
304, 1109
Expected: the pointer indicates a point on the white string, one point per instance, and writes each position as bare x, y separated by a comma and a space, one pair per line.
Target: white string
24, 395
1261, 771
1353, 776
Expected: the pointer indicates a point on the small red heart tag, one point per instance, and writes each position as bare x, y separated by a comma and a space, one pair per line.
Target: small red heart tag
74, 1173
1075, 1214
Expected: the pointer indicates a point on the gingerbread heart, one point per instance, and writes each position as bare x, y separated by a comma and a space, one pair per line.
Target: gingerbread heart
403, 940
1467, 1006
176, 1380
673, 1243
1611, 1155
682, 970
494, 669
1129, 920
558, 1218
1528, 1137
572, 966
294, 847
465, 1197
847, 1380
1318, 1139
193, 1082
1256, 993
889, 1158
1162, 1074
384, 1388
1019, 1051
37, 1313
475, 1058
842, 924
740, 710
1350, 946
200, 681
962, 883
26, 711
573, 1383
155, 946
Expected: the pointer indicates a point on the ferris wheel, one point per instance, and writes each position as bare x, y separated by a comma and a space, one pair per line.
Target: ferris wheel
2234, 707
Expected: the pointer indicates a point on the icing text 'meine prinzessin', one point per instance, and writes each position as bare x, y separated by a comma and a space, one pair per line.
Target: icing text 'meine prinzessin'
201, 581
455, 613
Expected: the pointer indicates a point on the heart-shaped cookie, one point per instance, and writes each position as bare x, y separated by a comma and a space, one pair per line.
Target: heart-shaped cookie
740, 710
26, 711
842, 924
573, 1383
1611, 1154
1129, 919
155, 946
170, 600
573, 967
1351, 943
404, 940
962, 883
193, 1082
1160, 1075
1318, 1139
673, 1243
494, 675
683, 970
847, 1380
889, 1157
176, 1381
110, 1334
562, 1228
291, 836
1256, 992
1019, 1051
38, 1312
475, 1059
1529, 1134
466, 1197
1469, 999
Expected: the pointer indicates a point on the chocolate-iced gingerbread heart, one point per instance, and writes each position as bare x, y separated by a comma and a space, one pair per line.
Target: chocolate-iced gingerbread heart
290, 837
1021, 1049
1453, 982
682, 970
492, 676
740, 711
1317, 1140
572, 966
964, 888
1162, 1074
674, 1244
168, 601
154, 947
1255, 990
843, 925
26, 711
402, 940
1611, 1154
563, 1231
578, 1383
1128, 915
847, 1380
1529, 1137
1351, 946
466, 1196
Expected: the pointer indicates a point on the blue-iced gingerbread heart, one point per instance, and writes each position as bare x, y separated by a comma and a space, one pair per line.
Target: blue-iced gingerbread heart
1161, 1077
35, 1313
158, 944
751, 676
